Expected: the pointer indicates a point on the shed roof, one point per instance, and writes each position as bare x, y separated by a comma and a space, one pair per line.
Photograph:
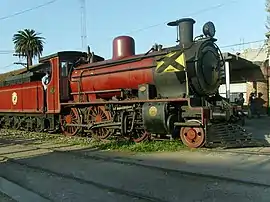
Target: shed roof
242, 70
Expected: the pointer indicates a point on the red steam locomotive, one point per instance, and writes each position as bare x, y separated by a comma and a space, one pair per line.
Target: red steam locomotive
165, 92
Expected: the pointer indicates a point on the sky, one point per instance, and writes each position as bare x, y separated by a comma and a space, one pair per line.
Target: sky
236, 21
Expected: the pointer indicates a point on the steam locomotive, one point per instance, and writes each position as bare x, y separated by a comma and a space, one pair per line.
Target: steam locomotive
163, 93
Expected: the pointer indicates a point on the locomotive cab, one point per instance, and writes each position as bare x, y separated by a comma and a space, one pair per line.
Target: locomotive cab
58, 88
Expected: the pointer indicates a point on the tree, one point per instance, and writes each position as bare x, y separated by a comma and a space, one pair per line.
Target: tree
267, 7
28, 44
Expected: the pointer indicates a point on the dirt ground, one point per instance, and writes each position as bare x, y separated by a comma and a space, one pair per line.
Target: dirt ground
259, 127
5, 198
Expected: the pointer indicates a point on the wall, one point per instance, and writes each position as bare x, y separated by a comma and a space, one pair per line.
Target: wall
258, 81
259, 55
235, 89
261, 86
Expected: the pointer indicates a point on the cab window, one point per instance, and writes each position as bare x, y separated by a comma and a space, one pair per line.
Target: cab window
64, 69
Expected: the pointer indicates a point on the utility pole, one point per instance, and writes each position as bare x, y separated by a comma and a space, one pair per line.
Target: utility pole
83, 25
268, 67
268, 46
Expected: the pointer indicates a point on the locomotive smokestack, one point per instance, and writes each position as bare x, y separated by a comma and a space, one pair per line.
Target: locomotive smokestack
184, 31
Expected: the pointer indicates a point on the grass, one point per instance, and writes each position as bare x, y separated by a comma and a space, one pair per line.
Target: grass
148, 146
37, 138
113, 144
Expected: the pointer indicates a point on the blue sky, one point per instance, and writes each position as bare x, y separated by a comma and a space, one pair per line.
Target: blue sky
59, 23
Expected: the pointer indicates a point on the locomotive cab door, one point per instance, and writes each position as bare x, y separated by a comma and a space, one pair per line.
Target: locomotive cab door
65, 67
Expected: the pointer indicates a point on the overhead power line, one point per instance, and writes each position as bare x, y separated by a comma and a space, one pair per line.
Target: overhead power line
7, 66
138, 30
226, 46
260, 51
239, 44
191, 14
83, 18
6, 51
27, 10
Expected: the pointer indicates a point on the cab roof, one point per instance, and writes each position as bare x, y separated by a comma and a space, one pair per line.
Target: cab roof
62, 54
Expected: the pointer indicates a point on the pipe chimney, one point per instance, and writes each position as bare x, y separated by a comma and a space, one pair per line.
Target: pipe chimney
184, 31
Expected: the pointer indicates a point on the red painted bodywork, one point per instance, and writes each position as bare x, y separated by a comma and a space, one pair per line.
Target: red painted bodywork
29, 98
92, 80
123, 47
53, 94
128, 75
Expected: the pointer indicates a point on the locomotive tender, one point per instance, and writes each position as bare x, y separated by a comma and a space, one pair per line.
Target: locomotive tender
163, 92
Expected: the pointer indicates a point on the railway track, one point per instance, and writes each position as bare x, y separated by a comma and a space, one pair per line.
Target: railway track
244, 152
129, 162
132, 195
136, 196
167, 170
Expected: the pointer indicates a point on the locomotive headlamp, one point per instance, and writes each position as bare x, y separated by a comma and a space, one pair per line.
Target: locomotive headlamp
209, 29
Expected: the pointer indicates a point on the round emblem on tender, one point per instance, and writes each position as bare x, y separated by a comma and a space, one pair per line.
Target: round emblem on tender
14, 98
153, 111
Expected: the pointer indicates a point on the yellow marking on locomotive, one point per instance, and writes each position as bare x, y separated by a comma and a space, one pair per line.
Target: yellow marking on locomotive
181, 60
170, 68
170, 54
172, 63
160, 63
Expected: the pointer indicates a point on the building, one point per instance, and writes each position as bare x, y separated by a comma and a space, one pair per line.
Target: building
248, 72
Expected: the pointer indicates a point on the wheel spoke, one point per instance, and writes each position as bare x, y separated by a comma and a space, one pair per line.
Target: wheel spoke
71, 117
140, 135
98, 114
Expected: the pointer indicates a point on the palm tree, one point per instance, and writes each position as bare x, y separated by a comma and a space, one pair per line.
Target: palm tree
28, 44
